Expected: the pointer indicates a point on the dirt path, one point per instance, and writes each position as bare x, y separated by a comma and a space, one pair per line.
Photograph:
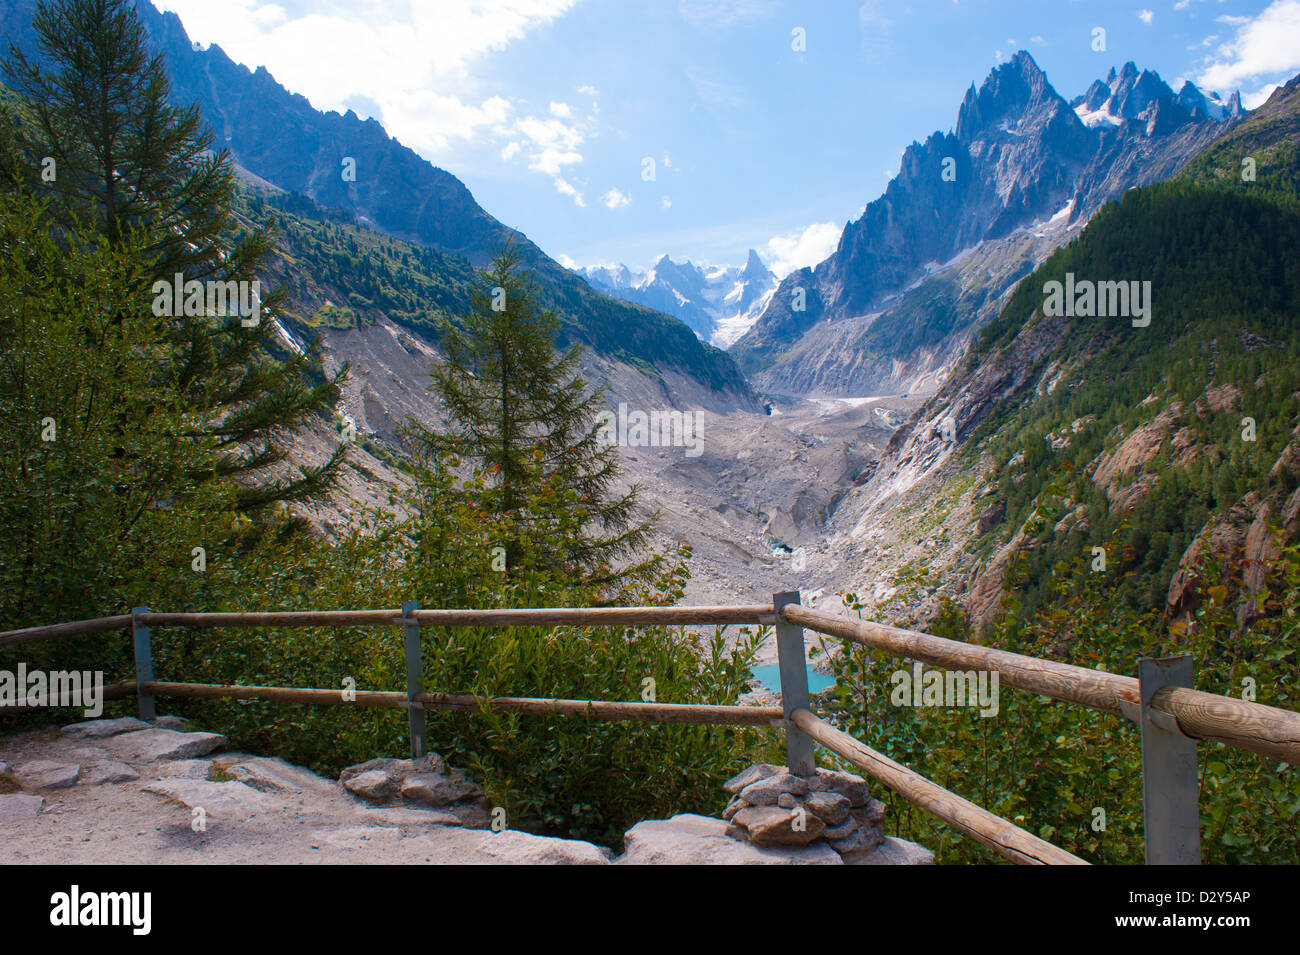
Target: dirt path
159, 796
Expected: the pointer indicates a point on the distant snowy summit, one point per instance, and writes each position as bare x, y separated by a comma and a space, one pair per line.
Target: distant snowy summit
719, 302
1143, 97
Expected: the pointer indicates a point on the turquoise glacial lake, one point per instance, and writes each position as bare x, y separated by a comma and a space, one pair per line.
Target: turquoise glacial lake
769, 677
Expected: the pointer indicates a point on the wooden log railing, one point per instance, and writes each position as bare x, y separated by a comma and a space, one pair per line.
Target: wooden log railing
1252, 726
1257, 727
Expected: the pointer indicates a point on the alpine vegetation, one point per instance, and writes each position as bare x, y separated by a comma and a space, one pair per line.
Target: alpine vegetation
1088, 299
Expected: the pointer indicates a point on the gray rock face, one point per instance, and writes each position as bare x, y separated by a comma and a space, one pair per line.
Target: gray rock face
109, 771
48, 774
99, 729
522, 848
15, 806
156, 744
179, 723
699, 840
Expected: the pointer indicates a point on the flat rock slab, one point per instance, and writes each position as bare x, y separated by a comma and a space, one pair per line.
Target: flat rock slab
774, 826
272, 775
99, 729
406, 817
19, 806
182, 769
158, 744
892, 852
751, 775
688, 839
48, 774
523, 848
109, 771
222, 801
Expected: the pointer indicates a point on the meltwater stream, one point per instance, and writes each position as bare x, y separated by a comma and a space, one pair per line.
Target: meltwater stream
769, 677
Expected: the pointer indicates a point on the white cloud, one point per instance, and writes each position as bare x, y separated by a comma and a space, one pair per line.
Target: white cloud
1263, 47
391, 53
551, 161
1146, 16
665, 203
563, 110
1036, 39
614, 199
510, 150
808, 246
567, 188
567, 262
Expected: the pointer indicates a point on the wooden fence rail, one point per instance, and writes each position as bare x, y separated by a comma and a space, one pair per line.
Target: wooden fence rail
1262, 729
1177, 710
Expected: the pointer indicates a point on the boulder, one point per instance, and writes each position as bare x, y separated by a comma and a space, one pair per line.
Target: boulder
48, 774
437, 789
373, 784
161, 744
178, 723
522, 848
774, 826
892, 851
14, 806
699, 840
751, 775
109, 771
98, 729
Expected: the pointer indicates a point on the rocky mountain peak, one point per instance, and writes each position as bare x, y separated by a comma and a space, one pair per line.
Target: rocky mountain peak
1010, 91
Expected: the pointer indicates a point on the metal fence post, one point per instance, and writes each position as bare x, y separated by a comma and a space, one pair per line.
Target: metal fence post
143, 664
794, 685
1169, 781
414, 678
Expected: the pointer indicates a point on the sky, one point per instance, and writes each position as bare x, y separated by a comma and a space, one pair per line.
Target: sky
620, 130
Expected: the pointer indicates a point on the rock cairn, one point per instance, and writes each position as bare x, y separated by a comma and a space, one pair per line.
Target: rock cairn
425, 783
772, 807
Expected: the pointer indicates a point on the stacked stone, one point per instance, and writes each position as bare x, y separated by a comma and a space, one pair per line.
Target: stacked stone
771, 807
427, 782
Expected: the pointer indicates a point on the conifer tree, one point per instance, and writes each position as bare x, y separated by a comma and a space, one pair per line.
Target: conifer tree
518, 408
93, 128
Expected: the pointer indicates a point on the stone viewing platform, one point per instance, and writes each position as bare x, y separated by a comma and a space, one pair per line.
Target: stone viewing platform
130, 791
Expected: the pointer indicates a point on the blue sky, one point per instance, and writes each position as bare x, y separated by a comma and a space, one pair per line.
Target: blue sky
551, 110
